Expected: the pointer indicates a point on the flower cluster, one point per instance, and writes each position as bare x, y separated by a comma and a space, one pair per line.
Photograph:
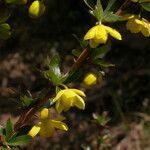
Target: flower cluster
64, 100
46, 126
135, 24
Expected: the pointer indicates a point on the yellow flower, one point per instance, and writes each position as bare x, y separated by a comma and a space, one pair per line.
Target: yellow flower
136, 25
46, 126
99, 35
68, 98
36, 9
90, 79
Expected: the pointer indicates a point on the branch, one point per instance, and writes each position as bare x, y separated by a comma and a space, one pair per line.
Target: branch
29, 112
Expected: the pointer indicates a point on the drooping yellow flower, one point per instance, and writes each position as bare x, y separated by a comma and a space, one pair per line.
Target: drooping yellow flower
36, 9
90, 79
136, 25
68, 98
99, 35
46, 126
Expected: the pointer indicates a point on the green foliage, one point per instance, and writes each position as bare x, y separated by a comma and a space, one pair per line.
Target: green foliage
9, 138
146, 6
53, 74
102, 120
9, 129
19, 140
4, 31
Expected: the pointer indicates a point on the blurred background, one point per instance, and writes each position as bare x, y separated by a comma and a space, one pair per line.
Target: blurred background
123, 95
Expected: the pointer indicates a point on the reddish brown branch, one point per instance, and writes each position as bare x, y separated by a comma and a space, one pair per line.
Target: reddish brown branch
80, 59
118, 12
28, 113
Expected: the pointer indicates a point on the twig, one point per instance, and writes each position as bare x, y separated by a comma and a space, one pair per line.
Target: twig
29, 112
118, 12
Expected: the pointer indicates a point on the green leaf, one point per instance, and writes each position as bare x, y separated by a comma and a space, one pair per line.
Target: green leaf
101, 119
73, 76
142, 1
3, 148
98, 12
27, 101
51, 76
89, 3
111, 5
9, 129
146, 6
2, 131
54, 65
100, 52
110, 17
103, 63
4, 31
20, 140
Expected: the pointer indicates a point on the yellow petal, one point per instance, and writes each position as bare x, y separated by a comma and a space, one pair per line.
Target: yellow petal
44, 114
93, 44
90, 79
79, 92
114, 33
100, 35
59, 125
47, 130
91, 33
58, 96
34, 130
146, 29
79, 102
133, 26
59, 107
126, 17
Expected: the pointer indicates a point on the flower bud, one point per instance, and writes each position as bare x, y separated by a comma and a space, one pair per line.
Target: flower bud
90, 79
36, 9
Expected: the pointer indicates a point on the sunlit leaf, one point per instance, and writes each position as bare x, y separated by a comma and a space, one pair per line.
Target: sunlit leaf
9, 129
110, 17
20, 140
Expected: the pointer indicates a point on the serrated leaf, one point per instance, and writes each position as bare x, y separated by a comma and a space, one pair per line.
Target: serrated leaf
9, 129
100, 52
103, 63
146, 6
20, 140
